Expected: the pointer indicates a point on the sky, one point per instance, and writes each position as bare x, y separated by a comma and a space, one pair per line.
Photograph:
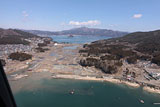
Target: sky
55, 15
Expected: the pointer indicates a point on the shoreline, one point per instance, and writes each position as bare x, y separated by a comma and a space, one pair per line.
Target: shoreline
151, 90
108, 79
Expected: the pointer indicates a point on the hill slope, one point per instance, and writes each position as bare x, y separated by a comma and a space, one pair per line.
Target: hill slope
13, 36
109, 54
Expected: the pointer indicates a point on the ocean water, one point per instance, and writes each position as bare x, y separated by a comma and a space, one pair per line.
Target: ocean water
77, 39
55, 93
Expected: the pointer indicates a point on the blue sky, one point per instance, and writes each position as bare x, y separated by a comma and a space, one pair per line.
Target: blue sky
123, 15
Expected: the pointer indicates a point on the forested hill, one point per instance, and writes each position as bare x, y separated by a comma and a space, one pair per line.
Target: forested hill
13, 36
146, 42
132, 47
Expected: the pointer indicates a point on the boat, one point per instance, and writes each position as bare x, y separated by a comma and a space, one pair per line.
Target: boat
156, 103
141, 101
71, 92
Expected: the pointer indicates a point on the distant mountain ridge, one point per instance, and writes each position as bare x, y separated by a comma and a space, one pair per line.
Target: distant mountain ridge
81, 31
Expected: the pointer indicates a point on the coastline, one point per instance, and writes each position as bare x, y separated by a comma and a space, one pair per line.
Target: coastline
109, 79
151, 90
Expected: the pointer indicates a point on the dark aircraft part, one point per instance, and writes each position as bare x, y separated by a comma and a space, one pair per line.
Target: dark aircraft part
6, 96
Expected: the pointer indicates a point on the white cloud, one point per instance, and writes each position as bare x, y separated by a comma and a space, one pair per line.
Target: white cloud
25, 14
87, 23
113, 25
136, 16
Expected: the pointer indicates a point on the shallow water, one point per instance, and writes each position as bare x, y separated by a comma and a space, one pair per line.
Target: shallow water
70, 47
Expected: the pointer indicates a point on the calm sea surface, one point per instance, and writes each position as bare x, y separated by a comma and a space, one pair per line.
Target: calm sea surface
78, 39
55, 92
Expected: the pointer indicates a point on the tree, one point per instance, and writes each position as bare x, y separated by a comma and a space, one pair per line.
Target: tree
20, 56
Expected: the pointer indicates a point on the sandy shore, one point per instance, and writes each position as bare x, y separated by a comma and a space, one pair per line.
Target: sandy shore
131, 84
152, 90
109, 79
123, 82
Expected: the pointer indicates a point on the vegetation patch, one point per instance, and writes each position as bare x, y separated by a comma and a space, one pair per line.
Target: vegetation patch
40, 49
13, 40
156, 60
20, 56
